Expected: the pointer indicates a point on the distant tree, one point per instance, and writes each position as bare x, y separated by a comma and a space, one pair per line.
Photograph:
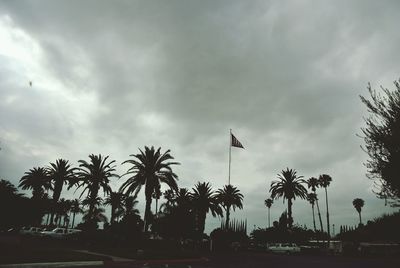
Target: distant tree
382, 140
60, 173
312, 198
325, 181
149, 168
313, 183
358, 203
204, 200
36, 179
116, 201
170, 203
289, 186
75, 209
93, 176
268, 203
156, 195
229, 197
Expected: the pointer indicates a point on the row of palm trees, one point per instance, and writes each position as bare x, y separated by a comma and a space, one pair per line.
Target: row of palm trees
150, 168
290, 185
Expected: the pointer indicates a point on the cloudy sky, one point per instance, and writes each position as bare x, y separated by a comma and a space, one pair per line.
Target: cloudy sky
110, 77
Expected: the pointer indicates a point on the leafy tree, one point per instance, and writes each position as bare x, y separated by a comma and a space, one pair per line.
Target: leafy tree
149, 168
358, 203
36, 179
60, 173
289, 186
312, 198
313, 183
229, 197
204, 200
325, 181
382, 140
93, 176
268, 203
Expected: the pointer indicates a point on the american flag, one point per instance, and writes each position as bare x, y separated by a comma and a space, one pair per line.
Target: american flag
235, 142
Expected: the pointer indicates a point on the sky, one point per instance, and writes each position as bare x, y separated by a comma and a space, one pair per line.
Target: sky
109, 77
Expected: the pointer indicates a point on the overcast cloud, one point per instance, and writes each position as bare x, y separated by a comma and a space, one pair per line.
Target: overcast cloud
112, 76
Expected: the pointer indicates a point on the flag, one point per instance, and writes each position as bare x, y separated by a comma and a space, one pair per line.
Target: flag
235, 142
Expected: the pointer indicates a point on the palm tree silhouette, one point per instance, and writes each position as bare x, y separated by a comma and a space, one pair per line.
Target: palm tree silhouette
36, 179
130, 206
116, 201
75, 209
229, 197
149, 168
60, 173
325, 181
170, 197
93, 176
313, 183
289, 186
358, 203
268, 203
204, 200
312, 198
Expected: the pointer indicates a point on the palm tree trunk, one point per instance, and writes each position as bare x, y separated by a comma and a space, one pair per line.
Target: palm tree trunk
147, 214
359, 214
319, 215
269, 218
327, 212
313, 217
73, 220
112, 220
156, 206
290, 219
227, 216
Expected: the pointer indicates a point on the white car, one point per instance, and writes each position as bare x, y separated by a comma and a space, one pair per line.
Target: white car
287, 248
60, 232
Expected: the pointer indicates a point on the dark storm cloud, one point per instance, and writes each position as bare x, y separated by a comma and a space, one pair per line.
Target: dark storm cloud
178, 74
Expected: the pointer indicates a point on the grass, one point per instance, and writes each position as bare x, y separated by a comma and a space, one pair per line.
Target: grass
10, 255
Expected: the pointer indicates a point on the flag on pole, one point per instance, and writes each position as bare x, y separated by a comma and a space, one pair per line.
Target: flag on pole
235, 142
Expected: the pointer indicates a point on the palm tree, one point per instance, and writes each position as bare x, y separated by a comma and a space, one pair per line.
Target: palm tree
170, 197
313, 183
268, 203
358, 203
60, 173
75, 208
204, 201
289, 186
229, 197
116, 201
7, 189
93, 176
95, 216
325, 181
312, 198
36, 179
149, 168
130, 206
156, 195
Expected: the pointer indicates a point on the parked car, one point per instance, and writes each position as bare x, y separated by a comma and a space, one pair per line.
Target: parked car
31, 231
287, 248
60, 233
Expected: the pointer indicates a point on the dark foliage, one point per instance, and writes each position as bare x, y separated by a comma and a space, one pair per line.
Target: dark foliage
382, 140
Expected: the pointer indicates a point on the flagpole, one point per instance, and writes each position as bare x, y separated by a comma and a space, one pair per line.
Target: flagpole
230, 147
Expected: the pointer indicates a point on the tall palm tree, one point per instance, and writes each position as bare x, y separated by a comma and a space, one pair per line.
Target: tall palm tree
116, 201
95, 216
60, 173
268, 203
325, 181
312, 198
36, 179
289, 186
313, 183
229, 197
93, 176
149, 168
358, 203
75, 209
204, 200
